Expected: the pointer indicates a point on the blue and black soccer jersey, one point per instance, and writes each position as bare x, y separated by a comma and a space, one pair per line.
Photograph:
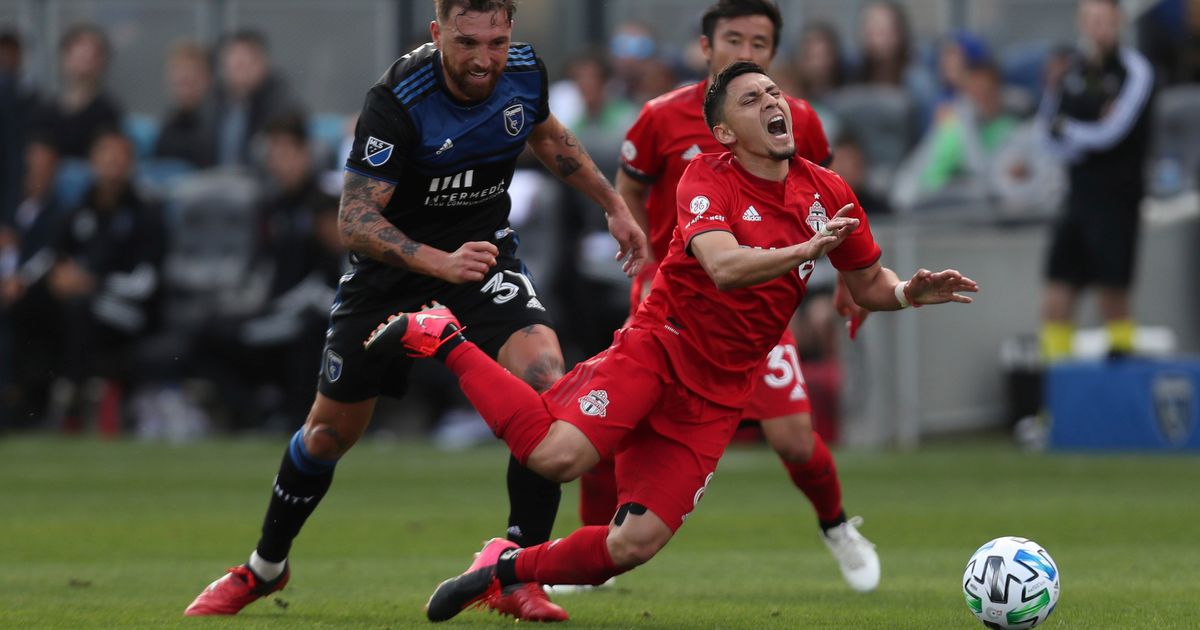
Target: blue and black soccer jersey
451, 162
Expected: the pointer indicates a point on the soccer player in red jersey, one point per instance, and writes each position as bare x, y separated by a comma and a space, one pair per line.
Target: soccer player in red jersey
667, 395
669, 133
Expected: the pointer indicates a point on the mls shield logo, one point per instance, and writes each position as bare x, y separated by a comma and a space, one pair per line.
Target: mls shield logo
377, 152
333, 366
514, 119
1175, 407
595, 403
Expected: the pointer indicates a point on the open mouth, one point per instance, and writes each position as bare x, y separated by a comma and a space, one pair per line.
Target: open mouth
478, 74
776, 126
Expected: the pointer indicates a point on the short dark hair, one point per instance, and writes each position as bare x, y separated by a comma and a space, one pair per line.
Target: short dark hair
442, 7
291, 124
728, 9
79, 31
714, 98
248, 36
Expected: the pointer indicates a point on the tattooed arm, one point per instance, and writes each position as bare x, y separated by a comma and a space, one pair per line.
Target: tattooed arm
365, 231
564, 156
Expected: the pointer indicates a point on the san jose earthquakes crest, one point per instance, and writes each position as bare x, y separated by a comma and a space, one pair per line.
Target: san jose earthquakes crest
333, 366
514, 119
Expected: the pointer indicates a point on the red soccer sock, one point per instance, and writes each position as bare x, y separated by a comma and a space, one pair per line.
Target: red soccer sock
598, 493
817, 478
511, 408
581, 558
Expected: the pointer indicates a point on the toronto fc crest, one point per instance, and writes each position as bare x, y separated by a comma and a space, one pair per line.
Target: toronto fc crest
817, 216
595, 403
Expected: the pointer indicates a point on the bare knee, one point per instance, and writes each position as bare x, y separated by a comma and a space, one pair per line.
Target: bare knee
564, 455
791, 437
635, 538
797, 449
326, 441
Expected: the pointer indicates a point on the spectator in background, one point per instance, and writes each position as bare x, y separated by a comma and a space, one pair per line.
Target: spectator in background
1097, 117
604, 116
70, 120
818, 68
886, 56
633, 49
969, 133
32, 317
106, 280
1169, 36
264, 361
850, 162
16, 104
957, 54
188, 128
249, 95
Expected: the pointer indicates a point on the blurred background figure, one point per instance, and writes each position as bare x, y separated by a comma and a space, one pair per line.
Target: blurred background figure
638, 70
1169, 36
250, 94
16, 104
264, 359
1097, 117
188, 126
70, 120
817, 68
106, 281
850, 162
956, 56
887, 57
967, 135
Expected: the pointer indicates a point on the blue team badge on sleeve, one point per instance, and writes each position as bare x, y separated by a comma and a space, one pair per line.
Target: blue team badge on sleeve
514, 119
333, 365
377, 151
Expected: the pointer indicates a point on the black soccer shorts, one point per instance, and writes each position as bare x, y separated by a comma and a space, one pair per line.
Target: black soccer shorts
504, 302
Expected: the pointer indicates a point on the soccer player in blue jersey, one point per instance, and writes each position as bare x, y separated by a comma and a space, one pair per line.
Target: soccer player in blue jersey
424, 212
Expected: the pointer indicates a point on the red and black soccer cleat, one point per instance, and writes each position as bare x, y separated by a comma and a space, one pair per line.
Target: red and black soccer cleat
234, 591
527, 601
420, 333
478, 586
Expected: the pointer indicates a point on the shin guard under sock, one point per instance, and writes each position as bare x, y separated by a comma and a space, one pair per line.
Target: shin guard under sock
298, 488
581, 558
817, 479
509, 406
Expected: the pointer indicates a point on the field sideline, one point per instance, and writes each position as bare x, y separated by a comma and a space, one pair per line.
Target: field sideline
123, 535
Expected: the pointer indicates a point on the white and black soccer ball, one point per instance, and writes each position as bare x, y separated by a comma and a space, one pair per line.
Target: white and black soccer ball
1011, 584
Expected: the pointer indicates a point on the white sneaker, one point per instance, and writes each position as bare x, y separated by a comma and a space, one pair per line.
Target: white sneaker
855, 554
571, 589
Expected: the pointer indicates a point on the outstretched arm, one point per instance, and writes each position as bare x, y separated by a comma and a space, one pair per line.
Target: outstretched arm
563, 154
732, 266
365, 231
878, 288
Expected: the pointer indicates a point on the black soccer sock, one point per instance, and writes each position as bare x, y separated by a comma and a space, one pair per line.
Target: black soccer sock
837, 520
532, 505
299, 486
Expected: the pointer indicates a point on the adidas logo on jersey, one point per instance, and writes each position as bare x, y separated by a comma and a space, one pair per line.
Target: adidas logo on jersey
446, 146
692, 152
535, 304
751, 215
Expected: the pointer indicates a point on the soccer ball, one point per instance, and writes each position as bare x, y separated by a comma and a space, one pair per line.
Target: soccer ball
1011, 584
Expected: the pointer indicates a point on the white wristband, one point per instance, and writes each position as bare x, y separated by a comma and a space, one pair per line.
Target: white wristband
900, 294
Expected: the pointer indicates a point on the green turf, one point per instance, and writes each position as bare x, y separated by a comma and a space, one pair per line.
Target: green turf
123, 535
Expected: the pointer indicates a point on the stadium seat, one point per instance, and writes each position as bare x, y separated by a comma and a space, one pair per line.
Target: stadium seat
882, 118
1175, 146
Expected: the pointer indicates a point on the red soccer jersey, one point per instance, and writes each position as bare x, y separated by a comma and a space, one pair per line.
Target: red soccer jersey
717, 339
670, 132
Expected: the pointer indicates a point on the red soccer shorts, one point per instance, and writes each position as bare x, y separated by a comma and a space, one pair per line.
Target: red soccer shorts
666, 438
780, 389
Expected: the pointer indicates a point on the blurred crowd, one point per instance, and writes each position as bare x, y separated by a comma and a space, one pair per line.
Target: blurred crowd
171, 273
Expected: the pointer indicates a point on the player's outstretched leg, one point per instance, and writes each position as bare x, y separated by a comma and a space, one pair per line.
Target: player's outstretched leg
234, 591
811, 468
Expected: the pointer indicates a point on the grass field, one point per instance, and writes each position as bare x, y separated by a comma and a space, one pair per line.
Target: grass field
123, 535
